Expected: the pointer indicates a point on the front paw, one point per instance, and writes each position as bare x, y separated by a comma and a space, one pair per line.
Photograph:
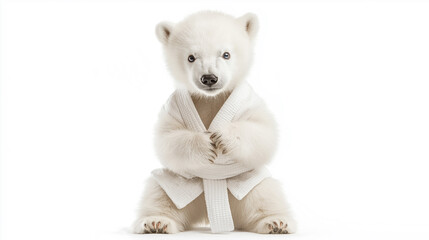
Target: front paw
205, 150
222, 143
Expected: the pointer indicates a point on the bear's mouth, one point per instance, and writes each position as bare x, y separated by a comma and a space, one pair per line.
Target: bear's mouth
211, 90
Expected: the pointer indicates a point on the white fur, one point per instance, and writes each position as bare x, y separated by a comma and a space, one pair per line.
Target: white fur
207, 35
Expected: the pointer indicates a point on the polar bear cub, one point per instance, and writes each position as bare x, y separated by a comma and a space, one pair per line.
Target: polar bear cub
209, 54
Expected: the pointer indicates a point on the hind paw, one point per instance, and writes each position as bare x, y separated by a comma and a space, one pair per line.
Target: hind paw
276, 226
156, 225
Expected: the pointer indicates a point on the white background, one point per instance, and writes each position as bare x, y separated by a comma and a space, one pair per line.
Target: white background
82, 83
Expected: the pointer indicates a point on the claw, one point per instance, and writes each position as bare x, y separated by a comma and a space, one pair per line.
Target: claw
214, 152
215, 136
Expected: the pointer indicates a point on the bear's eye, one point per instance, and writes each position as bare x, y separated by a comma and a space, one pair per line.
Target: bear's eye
226, 55
191, 58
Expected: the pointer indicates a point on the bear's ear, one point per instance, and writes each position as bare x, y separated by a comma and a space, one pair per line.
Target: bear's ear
163, 31
249, 22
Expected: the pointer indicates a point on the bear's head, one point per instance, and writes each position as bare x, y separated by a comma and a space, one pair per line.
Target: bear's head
209, 52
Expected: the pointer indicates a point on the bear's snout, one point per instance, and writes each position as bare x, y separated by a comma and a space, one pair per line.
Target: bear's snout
209, 79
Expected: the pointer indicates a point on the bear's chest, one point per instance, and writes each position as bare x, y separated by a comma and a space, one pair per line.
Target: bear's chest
207, 108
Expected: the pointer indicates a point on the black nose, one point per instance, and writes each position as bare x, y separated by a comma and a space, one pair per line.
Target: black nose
209, 79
